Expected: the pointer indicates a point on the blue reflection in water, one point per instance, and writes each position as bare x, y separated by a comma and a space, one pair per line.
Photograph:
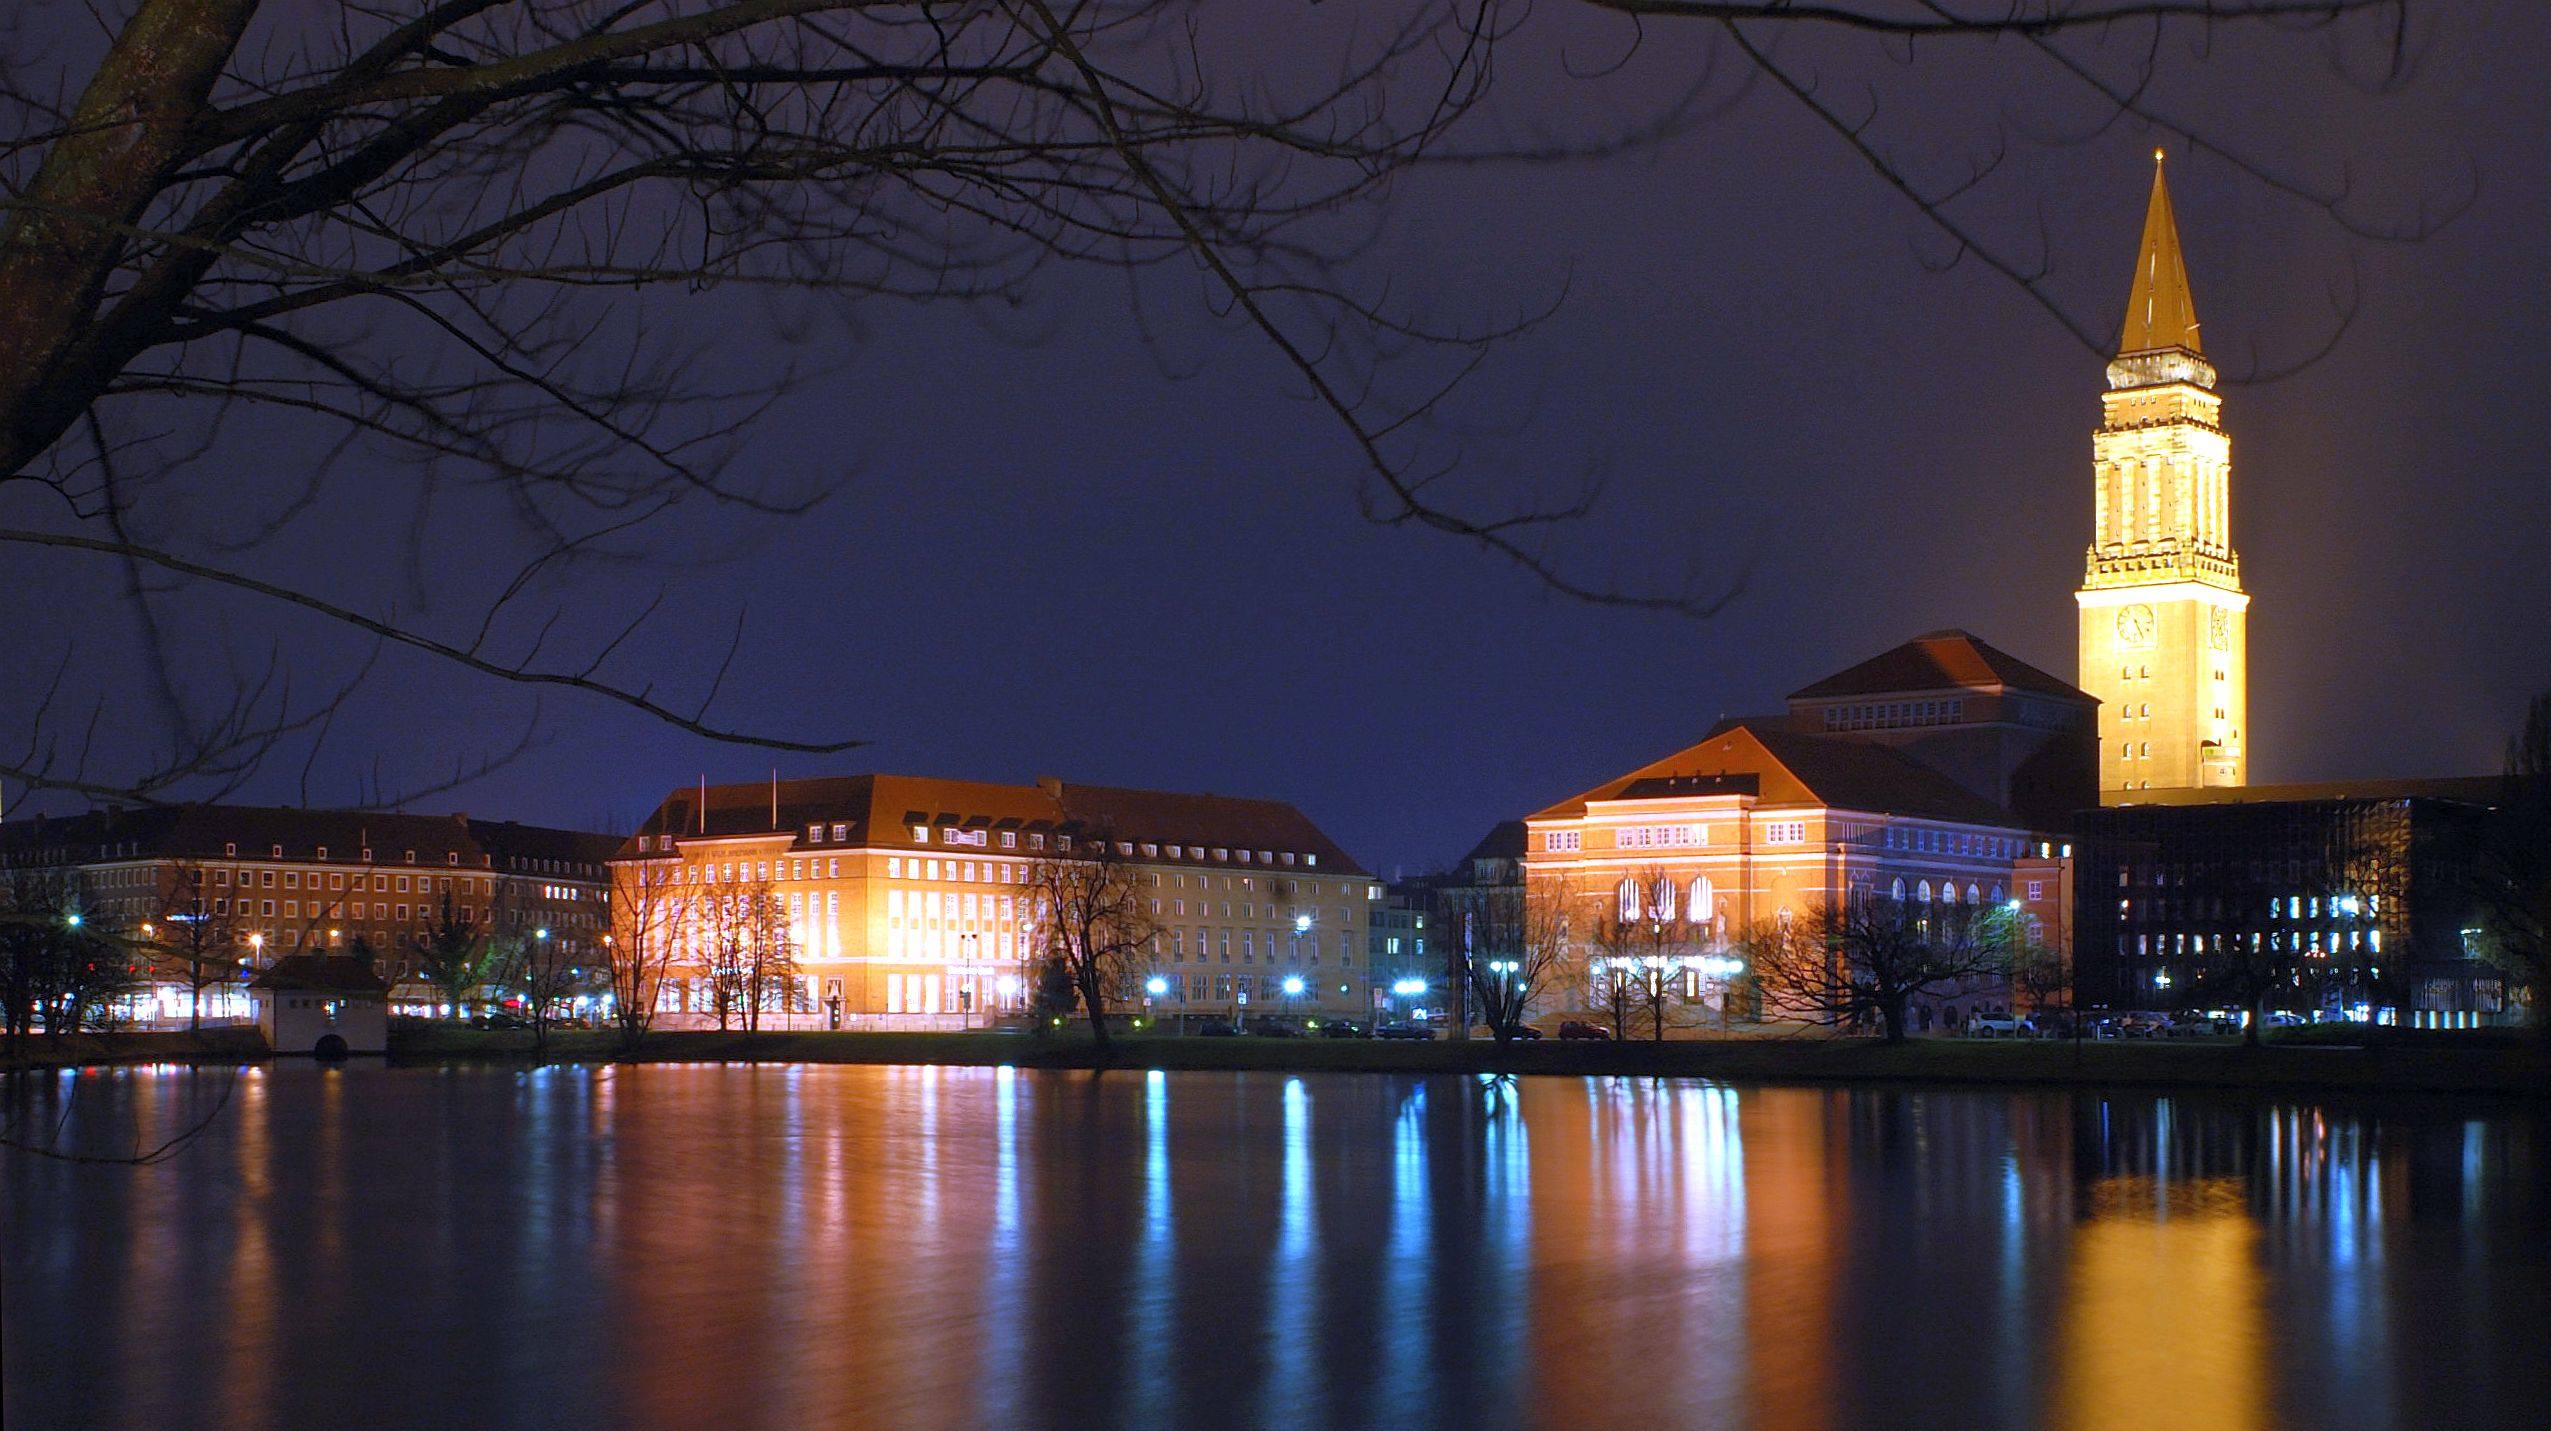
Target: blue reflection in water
1004, 1309
1155, 1265
1404, 1295
1292, 1389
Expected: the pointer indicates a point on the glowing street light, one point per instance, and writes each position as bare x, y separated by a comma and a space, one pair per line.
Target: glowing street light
1292, 986
72, 919
1156, 986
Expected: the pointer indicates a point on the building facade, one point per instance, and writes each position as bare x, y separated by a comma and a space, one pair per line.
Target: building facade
1894, 779
2164, 621
1407, 977
904, 897
253, 884
2348, 891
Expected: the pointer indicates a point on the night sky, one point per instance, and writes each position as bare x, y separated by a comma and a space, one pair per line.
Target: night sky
1061, 551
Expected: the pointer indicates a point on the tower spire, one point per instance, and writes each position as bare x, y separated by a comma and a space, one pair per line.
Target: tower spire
2160, 312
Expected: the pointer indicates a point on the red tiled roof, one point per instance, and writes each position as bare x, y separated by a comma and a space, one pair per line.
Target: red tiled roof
880, 809
1787, 767
211, 832
1939, 661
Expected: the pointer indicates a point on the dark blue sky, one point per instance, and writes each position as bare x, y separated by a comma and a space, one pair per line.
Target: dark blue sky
1051, 557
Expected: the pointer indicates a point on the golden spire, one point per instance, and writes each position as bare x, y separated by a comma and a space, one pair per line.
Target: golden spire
2160, 313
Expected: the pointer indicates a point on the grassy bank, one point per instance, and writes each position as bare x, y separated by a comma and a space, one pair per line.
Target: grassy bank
219, 1045
2430, 1067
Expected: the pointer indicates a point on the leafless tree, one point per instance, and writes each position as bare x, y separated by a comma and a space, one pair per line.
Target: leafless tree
1859, 963
449, 240
1513, 953
1091, 912
1612, 948
646, 914
546, 972
766, 966
195, 935
43, 942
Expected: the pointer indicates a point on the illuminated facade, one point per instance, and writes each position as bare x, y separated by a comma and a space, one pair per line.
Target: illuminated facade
905, 897
1919, 775
264, 883
2164, 622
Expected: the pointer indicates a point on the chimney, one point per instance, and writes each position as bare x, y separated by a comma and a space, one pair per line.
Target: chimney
1051, 785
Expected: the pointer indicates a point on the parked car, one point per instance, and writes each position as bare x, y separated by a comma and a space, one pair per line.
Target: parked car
1996, 1026
2050, 1025
1218, 1029
2200, 1026
1274, 1028
500, 1021
1575, 1029
1340, 1028
1403, 1029
1522, 1031
2284, 1019
2140, 1023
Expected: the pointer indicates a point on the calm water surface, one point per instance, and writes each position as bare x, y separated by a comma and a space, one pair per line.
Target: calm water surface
833, 1246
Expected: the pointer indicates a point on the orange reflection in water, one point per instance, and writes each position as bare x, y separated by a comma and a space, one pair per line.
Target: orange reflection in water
2162, 1316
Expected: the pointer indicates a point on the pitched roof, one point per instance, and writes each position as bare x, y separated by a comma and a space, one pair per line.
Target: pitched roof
212, 831
322, 973
880, 809
1941, 660
1786, 767
1504, 841
2161, 313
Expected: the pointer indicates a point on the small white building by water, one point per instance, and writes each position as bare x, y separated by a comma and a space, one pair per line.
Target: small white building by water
325, 1004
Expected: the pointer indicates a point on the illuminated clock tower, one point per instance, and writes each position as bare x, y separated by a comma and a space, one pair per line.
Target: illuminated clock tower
2164, 619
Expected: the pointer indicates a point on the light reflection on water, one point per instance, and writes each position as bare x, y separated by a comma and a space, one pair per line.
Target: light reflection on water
814, 1246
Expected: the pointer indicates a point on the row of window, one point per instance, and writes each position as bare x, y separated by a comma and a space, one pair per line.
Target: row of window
1890, 715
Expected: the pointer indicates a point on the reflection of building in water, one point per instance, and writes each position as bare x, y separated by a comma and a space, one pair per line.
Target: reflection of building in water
2162, 1308
1640, 1225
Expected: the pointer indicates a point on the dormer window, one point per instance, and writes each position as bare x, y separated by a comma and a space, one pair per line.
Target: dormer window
921, 834
275, 853
323, 852
840, 833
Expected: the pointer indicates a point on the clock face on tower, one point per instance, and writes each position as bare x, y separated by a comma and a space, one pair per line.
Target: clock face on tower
2219, 629
2134, 625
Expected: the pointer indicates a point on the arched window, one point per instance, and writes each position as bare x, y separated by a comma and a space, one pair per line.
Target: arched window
1629, 897
1922, 892
1972, 894
1997, 894
1704, 900
1661, 899
1897, 892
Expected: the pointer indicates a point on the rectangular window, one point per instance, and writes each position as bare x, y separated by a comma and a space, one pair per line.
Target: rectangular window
1564, 840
